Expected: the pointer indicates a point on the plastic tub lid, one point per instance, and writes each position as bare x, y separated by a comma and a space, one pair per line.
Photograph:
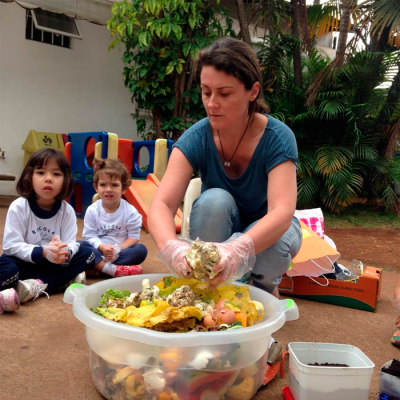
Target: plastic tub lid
83, 298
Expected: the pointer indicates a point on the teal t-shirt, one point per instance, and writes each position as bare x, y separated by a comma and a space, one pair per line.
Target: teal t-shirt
249, 190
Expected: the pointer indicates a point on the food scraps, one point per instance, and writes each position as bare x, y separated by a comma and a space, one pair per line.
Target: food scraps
181, 305
202, 257
172, 378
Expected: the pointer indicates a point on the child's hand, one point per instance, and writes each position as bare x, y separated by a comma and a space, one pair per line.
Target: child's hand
56, 252
108, 251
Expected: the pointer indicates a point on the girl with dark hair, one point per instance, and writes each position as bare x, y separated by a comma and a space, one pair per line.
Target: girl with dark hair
247, 163
112, 225
39, 243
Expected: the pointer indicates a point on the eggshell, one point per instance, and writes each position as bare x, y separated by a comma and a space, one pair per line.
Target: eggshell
221, 304
226, 316
209, 321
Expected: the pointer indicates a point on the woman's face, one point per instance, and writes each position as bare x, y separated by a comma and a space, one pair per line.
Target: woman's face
225, 98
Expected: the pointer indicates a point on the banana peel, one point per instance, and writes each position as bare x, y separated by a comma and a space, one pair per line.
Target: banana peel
243, 391
254, 311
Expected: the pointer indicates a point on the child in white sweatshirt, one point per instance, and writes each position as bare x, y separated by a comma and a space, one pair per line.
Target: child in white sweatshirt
112, 225
40, 252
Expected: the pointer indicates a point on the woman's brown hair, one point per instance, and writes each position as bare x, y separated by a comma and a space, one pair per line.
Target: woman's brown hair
114, 169
238, 59
38, 160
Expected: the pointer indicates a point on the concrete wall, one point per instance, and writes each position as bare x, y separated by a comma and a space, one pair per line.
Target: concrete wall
53, 89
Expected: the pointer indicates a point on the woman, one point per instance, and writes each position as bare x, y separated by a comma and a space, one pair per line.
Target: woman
247, 162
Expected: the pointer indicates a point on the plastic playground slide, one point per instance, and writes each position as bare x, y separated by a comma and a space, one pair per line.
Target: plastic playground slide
141, 193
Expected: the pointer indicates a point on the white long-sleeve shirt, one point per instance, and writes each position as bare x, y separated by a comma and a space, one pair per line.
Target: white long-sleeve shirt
101, 227
28, 227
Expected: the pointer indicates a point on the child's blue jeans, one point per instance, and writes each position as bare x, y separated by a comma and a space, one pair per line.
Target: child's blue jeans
133, 255
215, 217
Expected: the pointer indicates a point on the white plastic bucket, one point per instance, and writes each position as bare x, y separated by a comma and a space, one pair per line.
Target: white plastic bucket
308, 382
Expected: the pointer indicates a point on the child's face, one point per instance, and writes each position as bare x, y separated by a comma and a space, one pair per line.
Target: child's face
109, 191
47, 182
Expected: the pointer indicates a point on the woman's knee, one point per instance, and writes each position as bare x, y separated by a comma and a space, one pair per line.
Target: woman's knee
214, 216
273, 262
214, 201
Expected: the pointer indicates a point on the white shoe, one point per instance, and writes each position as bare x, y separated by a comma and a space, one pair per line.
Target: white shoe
80, 278
30, 289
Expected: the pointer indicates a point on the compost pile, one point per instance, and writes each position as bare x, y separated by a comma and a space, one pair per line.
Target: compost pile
181, 305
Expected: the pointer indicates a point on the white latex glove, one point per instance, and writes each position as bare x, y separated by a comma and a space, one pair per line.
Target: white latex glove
56, 251
173, 255
237, 258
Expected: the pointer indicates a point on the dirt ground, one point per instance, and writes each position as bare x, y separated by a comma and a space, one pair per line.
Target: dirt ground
374, 247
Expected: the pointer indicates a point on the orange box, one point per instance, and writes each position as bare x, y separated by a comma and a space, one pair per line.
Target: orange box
363, 294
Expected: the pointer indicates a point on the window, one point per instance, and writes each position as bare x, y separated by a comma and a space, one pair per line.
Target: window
51, 28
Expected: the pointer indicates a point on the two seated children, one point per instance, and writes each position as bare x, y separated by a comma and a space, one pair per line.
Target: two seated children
40, 251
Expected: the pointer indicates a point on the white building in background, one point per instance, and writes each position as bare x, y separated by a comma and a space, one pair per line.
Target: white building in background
50, 88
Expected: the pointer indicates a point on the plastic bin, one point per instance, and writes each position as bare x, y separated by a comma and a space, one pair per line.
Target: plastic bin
176, 362
308, 382
39, 140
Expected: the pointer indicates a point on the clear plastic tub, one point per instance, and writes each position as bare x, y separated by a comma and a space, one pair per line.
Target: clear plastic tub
309, 382
127, 362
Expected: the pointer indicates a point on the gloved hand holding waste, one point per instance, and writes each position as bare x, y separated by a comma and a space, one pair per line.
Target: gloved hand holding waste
215, 262
56, 251
173, 255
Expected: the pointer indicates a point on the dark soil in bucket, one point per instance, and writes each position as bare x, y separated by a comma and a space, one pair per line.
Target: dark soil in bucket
327, 365
393, 369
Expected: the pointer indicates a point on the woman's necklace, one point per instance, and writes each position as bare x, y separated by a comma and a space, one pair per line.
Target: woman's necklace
227, 163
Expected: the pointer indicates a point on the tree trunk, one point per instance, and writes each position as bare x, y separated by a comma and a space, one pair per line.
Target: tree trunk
393, 98
157, 124
269, 20
298, 79
344, 32
380, 43
244, 27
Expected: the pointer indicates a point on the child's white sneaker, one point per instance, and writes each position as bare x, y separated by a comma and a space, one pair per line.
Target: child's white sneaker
80, 278
30, 289
9, 300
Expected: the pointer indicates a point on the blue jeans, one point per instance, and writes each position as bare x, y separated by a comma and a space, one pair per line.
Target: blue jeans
56, 276
133, 255
215, 217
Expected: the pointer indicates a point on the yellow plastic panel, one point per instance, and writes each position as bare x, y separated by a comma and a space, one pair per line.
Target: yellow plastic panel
39, 140
98, 147
160, 158
112, 145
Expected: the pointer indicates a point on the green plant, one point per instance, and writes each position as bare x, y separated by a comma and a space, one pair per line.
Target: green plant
338, 134
161, 39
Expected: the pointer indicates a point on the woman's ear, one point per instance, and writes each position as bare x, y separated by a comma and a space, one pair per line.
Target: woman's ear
254, 91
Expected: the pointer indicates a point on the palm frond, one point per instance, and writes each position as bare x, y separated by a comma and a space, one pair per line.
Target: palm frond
333, 159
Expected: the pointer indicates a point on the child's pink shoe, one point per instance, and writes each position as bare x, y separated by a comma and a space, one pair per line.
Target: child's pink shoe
9, 300
396, 338
127, 270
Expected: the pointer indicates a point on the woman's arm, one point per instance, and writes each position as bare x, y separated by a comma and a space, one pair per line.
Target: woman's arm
168, 197
282, 198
